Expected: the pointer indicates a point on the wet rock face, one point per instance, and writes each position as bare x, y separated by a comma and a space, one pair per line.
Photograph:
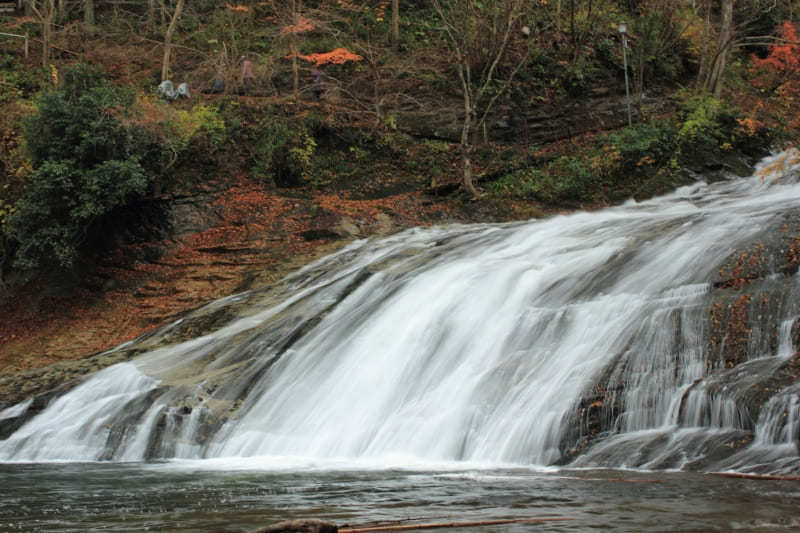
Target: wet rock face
540, 126
747, 361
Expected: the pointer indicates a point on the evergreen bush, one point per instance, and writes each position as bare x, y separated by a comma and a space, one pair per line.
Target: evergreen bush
86, 161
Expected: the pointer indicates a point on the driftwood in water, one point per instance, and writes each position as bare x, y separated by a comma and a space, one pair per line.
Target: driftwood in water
613, 479
299, 526
764, 477
411, 527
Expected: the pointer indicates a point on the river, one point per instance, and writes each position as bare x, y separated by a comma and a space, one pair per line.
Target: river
199, 497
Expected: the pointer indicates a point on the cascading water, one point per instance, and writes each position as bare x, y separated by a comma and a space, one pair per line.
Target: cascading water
589, 335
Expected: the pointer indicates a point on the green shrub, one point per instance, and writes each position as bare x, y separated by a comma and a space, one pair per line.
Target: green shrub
651, 144
526, 183
571, 180
565, 180
283, 152
16, 81
580, 76
86, 162
707, 126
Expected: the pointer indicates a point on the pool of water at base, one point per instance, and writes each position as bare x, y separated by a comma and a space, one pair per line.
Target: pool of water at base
188, 498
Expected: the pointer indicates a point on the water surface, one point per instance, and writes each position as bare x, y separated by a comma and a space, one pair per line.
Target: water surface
167, 497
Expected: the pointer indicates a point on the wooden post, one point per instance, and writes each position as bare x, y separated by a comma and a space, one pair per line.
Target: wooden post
27, 40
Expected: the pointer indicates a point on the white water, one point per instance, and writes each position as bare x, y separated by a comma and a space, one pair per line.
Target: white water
470, 344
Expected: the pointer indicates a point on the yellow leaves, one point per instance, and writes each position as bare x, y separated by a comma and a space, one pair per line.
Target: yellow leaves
23, 170
200, 117
379, 16
748, 126
608, 162
6, 210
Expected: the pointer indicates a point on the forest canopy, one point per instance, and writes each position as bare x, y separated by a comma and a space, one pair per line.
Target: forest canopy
279, 88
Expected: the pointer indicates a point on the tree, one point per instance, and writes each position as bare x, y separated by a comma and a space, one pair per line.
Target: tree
395, 24
294, 24
86, 162
713, 81
45, 12
173, 23
727, 26
6, 210
784, 54
659, 27
88, 12
479, 35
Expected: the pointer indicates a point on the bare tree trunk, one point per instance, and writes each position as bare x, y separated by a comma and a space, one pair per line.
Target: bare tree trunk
395, 24
466, 147
62, 10
721, 57
295, 69
572, 24
558, 16
168, 40
46, 16
702, 73
477, 101
88, 12
44, 13
293, 45
47, 31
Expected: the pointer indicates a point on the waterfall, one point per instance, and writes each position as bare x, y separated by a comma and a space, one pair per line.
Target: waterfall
591, 337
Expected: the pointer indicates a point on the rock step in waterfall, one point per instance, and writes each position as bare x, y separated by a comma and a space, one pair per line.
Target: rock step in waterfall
660, 334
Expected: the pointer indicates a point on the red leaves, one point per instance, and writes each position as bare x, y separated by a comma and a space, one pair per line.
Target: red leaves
783, 57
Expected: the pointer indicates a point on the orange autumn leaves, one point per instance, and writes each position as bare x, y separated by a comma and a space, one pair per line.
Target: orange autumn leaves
339, 56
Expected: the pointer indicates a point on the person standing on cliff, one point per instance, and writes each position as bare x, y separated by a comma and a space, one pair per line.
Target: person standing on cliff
317, 83
247, 75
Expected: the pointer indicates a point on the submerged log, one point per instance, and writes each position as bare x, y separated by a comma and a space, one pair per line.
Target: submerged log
299, 526
763, 477
412, 527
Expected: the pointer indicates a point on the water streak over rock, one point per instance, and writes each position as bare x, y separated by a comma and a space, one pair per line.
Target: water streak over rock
660, 334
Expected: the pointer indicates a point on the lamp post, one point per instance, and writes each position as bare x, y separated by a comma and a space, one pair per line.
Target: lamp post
623, 28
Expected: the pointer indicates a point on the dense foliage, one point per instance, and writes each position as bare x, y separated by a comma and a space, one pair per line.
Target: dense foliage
87, 160
321, 70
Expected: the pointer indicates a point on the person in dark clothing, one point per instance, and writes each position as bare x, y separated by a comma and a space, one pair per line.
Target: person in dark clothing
317, 83
247, 75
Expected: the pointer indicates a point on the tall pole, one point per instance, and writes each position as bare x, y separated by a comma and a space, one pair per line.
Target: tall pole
622, 31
